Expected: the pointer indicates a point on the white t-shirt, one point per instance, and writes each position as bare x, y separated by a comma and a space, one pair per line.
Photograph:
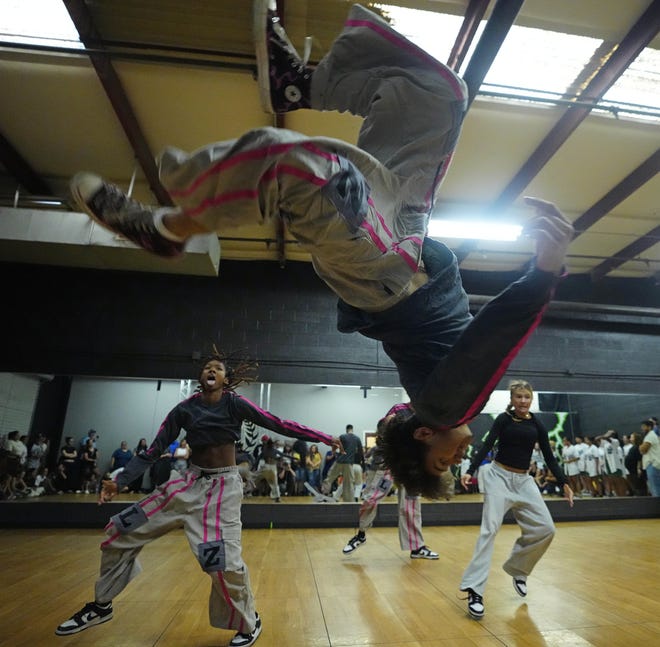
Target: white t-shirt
652, 456
571, 467
581, 449
591, 459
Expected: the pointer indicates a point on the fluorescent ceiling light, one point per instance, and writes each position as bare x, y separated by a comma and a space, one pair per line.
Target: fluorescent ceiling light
473, 229
38, 22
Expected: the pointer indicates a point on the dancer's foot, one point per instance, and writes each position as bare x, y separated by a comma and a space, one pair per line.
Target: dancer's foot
354, 543
91, 614
423, 553
283, 75
245, 640
475, 604
108, 205
520, 585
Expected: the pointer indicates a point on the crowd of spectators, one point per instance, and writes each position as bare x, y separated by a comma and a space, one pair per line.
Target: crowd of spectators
597, 466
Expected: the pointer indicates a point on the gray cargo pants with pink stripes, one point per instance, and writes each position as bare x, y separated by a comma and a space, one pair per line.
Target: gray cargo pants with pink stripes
207, 504
360, 211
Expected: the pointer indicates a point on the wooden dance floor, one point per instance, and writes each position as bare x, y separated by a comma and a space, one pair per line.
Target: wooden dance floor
596, 586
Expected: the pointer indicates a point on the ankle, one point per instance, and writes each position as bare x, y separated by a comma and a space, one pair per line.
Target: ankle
168, 224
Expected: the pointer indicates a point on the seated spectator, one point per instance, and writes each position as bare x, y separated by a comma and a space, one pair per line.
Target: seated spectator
181, 457
286, 477
121, 456
43, 481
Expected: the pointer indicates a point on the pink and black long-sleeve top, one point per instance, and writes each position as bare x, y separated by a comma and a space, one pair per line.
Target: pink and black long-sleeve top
210, 425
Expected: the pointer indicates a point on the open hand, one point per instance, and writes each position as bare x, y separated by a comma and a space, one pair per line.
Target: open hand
552, 232
108, 491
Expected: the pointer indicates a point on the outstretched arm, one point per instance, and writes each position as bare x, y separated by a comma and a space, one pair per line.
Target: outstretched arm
460, 385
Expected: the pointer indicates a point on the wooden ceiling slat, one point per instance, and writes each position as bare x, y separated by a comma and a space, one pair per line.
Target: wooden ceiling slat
473, 16
639, 36
646, 171
116, 93
498, 26
626, 254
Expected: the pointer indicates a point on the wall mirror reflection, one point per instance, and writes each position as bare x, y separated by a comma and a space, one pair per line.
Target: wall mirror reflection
125, 412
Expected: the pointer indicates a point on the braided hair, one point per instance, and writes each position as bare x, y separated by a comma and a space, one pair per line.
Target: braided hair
239, 369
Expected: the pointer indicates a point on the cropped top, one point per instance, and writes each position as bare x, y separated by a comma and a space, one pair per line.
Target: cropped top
212, 424
515, 442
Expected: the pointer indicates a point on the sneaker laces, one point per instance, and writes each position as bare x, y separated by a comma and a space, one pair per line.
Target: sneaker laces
472, 597
297, 61
90, 606
475, 598
126, 212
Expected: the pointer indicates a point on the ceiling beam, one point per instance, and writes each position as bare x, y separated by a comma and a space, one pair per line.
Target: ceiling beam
473, 16
21, 171
498, 26
500, 22
639, 36
102, 62
624, 189
626, 254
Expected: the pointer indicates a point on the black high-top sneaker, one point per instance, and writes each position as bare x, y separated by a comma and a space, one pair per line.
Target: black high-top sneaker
283, 75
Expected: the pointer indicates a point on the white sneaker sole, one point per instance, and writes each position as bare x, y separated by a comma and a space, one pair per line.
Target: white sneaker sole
260, 34
76, 630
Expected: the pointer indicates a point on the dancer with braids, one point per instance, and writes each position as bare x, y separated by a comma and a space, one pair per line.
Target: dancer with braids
206, 501
507, 485
362, 213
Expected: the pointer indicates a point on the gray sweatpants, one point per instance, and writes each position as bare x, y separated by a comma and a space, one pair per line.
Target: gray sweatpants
268, 473
360, 211
345, 470
379, 484
503, 491
207, 503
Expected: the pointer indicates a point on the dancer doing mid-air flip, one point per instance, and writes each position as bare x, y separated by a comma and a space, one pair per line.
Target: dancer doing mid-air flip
362, 213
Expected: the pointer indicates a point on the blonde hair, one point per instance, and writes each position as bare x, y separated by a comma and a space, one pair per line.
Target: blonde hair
516, 385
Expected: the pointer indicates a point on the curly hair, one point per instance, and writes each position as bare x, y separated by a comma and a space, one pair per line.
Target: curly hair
404, 455
238, 368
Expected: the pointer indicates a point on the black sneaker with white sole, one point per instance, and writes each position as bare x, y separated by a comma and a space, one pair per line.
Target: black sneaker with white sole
520, 585
111, 208
475, 604
423, 553
283, 75
245, 640
91, 614
354, 543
